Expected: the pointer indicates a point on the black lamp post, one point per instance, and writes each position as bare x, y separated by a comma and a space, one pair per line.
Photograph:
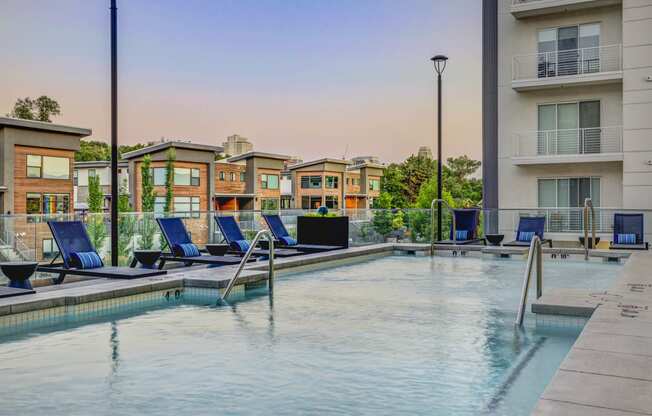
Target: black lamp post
114, 134
440, 64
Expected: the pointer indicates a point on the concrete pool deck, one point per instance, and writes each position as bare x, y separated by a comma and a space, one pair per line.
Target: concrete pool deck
608, 371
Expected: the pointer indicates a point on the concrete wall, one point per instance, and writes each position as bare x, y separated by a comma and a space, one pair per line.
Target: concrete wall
637, 103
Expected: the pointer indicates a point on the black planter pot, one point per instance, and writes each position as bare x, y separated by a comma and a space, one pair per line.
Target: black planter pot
328, 231
146, 257
19, 272
495, 239
217, 249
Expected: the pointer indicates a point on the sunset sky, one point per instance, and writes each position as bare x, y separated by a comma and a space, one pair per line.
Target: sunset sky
299, 77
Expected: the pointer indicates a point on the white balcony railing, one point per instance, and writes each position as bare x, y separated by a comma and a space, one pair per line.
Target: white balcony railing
572, 62
585, 141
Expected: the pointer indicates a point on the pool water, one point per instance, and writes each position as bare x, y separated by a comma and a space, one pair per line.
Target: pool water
397, 335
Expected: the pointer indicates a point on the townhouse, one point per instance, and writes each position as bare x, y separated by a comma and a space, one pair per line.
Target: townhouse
101, 169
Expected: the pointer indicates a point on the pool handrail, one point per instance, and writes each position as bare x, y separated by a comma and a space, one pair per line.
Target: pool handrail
588, 208
245, 258
535, 249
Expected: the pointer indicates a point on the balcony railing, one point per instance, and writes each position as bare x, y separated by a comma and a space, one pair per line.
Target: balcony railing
572, 62
587, 141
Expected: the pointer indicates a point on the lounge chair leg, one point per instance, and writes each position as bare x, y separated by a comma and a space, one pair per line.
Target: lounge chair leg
161, 263
59, 279
134, 262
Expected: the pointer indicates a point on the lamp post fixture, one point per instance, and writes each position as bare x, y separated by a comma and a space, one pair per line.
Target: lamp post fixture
439, 62
114, 134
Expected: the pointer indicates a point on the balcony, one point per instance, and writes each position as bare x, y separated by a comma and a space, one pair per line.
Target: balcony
521, 9
588, 145
566, 68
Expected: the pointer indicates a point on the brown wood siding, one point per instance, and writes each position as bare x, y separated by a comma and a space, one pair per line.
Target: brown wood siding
227, 186
323, 191
268, 193
350, 188
178, 190
24, 185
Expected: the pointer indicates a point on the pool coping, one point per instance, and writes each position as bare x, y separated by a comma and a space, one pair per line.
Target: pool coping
608, 370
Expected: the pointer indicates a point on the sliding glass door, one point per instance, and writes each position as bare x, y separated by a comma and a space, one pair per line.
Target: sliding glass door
568, 128
569, 50
564, 198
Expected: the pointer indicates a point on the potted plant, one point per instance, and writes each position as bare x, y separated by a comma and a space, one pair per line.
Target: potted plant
323, 228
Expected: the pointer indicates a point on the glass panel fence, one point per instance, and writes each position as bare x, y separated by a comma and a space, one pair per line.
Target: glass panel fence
28, 237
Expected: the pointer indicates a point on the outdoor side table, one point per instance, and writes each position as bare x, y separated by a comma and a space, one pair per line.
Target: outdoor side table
495, 239
145, 257
18, 273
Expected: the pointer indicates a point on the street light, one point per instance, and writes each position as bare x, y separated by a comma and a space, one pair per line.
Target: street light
440, 64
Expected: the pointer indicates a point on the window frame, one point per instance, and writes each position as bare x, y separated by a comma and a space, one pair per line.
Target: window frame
265, 179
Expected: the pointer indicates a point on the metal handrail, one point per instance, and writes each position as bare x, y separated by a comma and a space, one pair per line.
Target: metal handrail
245, 258
535, 252
588, 207
432, 223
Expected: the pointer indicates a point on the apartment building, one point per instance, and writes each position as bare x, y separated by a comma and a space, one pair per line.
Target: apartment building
193, 182
102, 170
249, 181
567, 103
236, 145
37, 166
328, 182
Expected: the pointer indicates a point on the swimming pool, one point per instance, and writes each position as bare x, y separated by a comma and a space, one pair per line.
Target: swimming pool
396, 335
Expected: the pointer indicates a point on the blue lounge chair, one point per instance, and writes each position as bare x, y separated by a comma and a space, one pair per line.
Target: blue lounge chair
628, 232
528, 227
466, 228
80, 257
182, 248
238, 243
283, 238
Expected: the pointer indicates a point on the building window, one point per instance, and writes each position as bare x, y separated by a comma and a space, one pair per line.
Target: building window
569, 50
269, 181
159, 176
186, 177
332, 182
33, 205
49, 248
159, 205
47, 203
269, 204
311, 182
186, 205
222, 175
75, 177
232, 177
569, 128
242, 176
91, 173
559, 194
310, 202
331, 201
568, 192
48, 167
374, 184
286, 201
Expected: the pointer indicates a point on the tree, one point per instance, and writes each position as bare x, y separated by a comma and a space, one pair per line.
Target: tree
95, 219
99, 150
91, 150
460, 168
393, 183
126, 222
169, 180
147, 204
169, 186
416, 170
40, 109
